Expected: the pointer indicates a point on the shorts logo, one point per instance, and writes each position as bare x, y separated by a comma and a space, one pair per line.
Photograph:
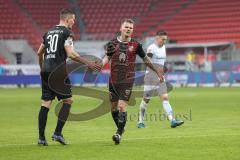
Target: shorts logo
127, 92
122, 57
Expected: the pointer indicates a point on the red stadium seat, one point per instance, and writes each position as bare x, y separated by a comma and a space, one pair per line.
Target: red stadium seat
46, 13
185, 20
205, 21
14, 24
105, 17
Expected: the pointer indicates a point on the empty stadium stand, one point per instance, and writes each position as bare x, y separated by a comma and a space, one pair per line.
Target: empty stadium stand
159, 13
102, 19
14, 25
205, 21
46, 13
186, 21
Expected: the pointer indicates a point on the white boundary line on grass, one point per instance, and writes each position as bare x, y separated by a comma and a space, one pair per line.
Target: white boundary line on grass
189, 136
130, 139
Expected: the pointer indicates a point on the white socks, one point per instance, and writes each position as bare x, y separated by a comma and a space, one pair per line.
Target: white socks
143, 107
166, 106
168, 109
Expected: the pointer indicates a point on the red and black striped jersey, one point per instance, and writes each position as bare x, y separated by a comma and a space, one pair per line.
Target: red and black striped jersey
123, 57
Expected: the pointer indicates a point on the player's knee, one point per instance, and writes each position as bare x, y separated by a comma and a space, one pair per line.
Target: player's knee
46, 104
122, 105
123, 109
68, 101
164, 97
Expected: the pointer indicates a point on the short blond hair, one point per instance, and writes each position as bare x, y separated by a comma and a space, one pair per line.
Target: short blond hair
128, 20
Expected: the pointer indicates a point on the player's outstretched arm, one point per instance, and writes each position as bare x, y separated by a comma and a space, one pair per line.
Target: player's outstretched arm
40, 53
105, 60
76, 57
102, 63
159, 72
110, 49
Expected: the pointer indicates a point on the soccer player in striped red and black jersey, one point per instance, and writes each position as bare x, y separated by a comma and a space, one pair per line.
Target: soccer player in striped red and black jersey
122, 52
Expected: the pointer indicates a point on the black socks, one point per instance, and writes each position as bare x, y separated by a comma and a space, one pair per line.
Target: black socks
42, 120
62, 118
122, 119
115, 117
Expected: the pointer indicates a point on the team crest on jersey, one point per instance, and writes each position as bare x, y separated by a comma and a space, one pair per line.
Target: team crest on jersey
122, 57
130, 48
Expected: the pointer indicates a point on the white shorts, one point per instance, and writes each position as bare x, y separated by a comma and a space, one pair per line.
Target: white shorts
155, 90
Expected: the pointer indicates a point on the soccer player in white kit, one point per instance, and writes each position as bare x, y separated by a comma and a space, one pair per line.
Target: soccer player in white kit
152, 86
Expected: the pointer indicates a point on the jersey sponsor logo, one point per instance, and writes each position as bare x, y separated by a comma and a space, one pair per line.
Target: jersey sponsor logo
156, 57
122, 57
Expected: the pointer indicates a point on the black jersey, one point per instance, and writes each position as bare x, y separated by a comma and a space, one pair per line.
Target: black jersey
55, 53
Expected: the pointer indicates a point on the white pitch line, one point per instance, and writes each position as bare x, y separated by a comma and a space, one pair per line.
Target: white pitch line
184, 136
130, 139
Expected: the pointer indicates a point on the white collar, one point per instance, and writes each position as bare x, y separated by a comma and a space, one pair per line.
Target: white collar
118, 38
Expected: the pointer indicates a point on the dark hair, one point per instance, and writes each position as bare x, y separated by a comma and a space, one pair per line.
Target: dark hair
128, 20
65, 12
161, 33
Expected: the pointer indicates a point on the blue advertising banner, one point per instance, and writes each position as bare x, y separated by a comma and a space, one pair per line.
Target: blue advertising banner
178, 78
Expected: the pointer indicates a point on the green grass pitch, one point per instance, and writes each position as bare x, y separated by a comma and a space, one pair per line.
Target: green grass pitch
211, 130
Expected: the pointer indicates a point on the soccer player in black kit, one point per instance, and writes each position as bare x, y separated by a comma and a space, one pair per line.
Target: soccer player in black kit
56, 47
121, 52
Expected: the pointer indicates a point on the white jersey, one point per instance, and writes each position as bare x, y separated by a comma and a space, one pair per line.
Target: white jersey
151, 80
159, 53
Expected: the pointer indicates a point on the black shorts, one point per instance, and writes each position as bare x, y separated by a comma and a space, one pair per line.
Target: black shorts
121, 91
57, 87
